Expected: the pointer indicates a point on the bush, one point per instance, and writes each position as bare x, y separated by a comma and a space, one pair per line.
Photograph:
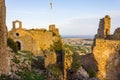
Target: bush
5, 77
71, 47
58, 46
91, 72
26, 74
76, 62
15, 60
38, 63
54, 72
12, 45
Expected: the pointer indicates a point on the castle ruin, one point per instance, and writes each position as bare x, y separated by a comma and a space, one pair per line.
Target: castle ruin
34, 40
106, 51
41, 42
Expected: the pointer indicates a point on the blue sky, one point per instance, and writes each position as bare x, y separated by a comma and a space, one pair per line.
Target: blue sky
72, 17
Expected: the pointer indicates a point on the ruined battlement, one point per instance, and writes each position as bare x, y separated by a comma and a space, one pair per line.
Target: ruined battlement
33, 40
104, 30
106, 50
104, 27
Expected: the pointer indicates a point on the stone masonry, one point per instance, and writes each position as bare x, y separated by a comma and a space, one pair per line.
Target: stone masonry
4, 57
34, 40
106, 51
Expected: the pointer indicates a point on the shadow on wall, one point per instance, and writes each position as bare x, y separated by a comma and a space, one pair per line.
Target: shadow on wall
89, 63
113, 66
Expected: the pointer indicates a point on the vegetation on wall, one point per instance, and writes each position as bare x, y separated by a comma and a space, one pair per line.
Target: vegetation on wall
91, 72
26, 74
54, 72
57, 46
5, 77
76, 62
71, 47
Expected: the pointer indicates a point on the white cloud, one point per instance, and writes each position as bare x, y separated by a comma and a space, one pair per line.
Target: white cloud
84, 26
89, 26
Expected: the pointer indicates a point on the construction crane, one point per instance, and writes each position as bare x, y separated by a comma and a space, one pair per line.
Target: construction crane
51, 4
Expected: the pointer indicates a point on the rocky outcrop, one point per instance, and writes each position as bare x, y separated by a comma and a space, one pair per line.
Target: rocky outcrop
81, 74
88, 61
18, 62
4, 57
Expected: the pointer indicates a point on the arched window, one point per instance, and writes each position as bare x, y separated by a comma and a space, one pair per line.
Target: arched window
17, 24
19, 45
106, 32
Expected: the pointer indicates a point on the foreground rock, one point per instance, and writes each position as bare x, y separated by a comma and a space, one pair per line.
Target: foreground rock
81, 74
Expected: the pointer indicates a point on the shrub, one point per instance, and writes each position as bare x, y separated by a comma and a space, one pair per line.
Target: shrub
38, 63
91, 72
76, 62
5, 77
26, 74
54, 72
15, 60
71, 47
12, 45
58, 46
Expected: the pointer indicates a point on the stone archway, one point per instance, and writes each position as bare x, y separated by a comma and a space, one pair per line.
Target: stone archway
17, 23
19, 45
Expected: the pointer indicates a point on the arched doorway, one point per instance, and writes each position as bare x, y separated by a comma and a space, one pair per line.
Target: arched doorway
106, 32
19, 45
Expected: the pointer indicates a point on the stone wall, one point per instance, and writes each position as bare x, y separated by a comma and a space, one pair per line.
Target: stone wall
67, 61
107, 55
116, 35
34, 40
106, 52
104, 27
50, 58
88, 61
4, 57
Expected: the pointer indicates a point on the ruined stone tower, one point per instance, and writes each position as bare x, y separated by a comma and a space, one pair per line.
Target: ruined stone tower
106, 50
4, 61
104, 27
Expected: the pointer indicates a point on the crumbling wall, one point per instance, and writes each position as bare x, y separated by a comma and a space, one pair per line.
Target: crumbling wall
107, 55
104, 27
106, 51
34, 40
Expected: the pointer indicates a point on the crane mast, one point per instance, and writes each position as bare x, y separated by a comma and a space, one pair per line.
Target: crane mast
51, 4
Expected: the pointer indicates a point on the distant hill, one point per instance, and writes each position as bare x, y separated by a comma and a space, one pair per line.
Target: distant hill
78, 36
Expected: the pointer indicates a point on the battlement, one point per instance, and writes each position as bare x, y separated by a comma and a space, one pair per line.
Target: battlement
14, 23
106, 49
29, 38
54, 29
104, 30
104, 27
